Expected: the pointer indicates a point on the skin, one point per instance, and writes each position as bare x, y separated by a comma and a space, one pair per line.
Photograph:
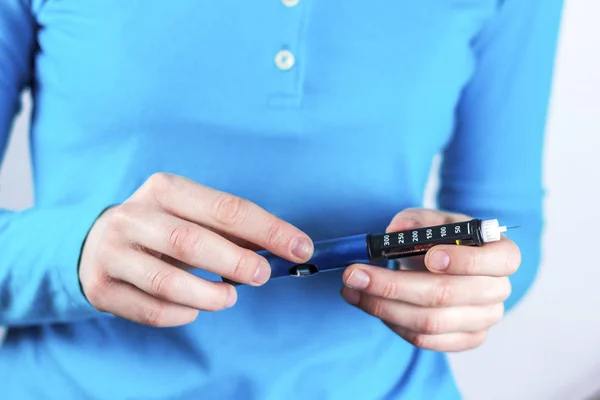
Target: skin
135, 259
445, 301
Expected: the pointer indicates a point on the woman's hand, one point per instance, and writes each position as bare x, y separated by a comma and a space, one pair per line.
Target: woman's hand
452, 302
124, 268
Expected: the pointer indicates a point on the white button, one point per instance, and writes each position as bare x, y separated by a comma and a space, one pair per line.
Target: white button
290, 3
284, 60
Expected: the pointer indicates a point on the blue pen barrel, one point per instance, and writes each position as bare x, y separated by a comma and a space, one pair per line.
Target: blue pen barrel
328, 255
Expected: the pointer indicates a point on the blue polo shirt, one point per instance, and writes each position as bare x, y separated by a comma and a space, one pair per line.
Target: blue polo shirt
326, 113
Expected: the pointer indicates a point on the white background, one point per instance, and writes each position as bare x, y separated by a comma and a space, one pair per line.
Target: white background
548, 348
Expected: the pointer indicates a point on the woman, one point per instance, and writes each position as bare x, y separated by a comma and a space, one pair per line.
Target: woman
170, 140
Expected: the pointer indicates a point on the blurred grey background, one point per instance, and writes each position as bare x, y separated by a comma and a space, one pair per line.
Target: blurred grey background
549, 347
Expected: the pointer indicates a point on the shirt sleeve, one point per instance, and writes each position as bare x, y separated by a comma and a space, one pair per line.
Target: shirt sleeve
39, 248
492, 167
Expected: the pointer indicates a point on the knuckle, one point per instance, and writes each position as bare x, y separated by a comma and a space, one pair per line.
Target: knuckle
474, 261
158, 186
405, 220
154, 316
94, 289
375, 306
413, 216
275, 234
477, 339
408, 212
159, 181
160, 282
442, 294
105, 252
185, 241
97, 291
420, 340
243, 268
430, 323
120, 217
454, 217
229, 210
219, 300
494, 315
391, 290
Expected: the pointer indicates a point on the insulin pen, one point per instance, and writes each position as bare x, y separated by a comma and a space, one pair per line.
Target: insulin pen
334, 254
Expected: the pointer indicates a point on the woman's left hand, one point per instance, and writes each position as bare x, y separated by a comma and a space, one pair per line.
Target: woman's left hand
448, 305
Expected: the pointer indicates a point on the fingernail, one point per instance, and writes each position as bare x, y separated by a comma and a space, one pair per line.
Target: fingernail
302, 248
439, 260
231, 298
352, 296
262, 273
358, 280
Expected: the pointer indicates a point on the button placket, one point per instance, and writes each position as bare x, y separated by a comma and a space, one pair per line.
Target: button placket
287, 58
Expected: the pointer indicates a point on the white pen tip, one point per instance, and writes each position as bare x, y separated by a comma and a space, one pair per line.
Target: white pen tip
491, 230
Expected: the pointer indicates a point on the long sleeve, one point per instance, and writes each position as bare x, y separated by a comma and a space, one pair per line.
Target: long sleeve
39, 248
492, 167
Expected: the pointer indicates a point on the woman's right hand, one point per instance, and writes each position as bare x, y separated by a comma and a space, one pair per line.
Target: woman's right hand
123, 269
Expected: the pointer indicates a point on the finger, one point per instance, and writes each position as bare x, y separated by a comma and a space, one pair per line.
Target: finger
195, 246
229, 214
235, 240
162, 280
129, 302
431, 321
501, 258
413, 218
420, 217
449, 342
426, 289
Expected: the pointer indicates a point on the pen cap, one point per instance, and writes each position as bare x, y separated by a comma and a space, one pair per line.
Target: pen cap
491, 231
